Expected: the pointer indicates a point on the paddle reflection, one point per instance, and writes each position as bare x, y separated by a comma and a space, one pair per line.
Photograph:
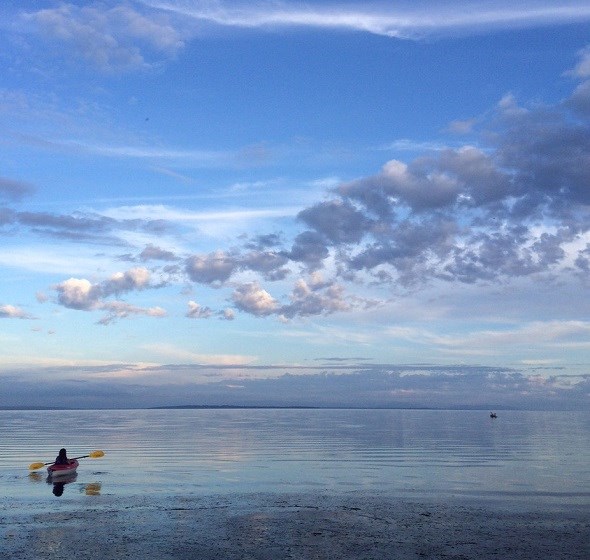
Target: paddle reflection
58, 484
93, 489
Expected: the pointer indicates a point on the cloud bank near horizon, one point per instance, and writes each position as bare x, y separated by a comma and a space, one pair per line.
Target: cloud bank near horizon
344, 385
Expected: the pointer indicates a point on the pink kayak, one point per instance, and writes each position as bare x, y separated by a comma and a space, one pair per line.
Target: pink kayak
61, 470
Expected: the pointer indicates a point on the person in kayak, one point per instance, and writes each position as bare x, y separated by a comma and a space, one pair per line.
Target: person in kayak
62, 458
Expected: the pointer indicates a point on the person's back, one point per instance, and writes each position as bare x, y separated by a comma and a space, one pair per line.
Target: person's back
62, 458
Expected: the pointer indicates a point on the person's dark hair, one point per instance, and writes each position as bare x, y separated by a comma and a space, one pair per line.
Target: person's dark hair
63, 452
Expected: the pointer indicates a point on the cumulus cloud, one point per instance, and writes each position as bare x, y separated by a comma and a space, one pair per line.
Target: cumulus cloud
316, 297
548, 155
228, 314
214, 267
196, 311
81, 294
252, 298
309, 248
134, 279
511, 204
112, 39
217, 267
77, 293
270, 263
453, 177
152, 252
13, 312
264, 241
515, 205
338, 220
583, 259
313, 296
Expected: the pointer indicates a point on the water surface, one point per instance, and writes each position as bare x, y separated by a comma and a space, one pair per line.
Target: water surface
539, 459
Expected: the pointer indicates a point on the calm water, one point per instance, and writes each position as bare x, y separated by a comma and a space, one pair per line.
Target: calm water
533, 458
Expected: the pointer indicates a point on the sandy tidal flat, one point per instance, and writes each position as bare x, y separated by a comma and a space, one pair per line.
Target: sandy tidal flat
275, 526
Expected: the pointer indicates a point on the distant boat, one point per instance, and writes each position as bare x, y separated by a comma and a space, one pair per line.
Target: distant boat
493, 415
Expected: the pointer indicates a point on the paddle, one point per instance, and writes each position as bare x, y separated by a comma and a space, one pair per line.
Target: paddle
93, 455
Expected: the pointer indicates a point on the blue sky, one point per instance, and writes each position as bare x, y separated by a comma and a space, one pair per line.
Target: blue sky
298, 203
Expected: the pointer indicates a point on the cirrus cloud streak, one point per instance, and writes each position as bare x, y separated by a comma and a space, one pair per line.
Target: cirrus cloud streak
404, 21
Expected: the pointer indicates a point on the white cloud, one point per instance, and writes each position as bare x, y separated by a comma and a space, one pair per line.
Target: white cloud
54, 260
13, 312
213, 223
77, 293
44, 367
582, 68
197, 158
321, 335
254, 299
120, 310
464, 126
555, 334
317, 297
170, 351
212, 268
228, 314
111, 39
399, 21
81, 294
197, 311
408, 145
134, 279
170, 214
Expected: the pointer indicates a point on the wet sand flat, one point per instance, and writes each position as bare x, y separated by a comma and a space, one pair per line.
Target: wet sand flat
291, 526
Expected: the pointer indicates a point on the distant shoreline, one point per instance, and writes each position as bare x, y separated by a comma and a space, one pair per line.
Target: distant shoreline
271, 407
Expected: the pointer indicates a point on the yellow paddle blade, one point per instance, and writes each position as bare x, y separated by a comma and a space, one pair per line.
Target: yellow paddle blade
35, 466
96, 454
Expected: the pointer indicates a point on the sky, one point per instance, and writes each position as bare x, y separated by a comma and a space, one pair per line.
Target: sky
317, 203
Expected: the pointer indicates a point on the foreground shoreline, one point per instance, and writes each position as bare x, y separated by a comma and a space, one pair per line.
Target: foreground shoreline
286, 526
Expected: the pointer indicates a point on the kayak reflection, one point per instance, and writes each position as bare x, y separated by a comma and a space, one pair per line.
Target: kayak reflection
59, 483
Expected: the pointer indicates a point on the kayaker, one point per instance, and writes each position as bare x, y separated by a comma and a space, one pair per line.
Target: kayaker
62, 458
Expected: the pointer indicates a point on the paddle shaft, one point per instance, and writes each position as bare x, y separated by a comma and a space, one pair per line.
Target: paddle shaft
72, 459
81, 457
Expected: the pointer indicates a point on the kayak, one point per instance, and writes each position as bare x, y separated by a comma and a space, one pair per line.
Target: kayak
61, 470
